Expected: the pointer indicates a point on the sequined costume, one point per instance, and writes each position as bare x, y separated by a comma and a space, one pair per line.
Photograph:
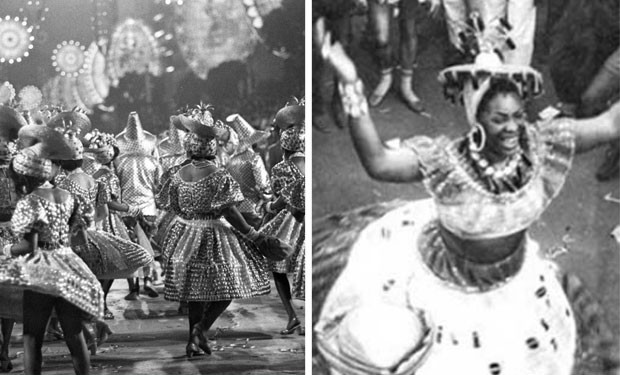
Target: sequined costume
139, 175
52, 269
108, 256
110, 190
209, 260
284, 226
512, 316
248, 169
167, 215
8, 200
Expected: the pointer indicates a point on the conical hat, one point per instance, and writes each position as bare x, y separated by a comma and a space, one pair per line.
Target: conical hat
134, 130
247, 134
10, 123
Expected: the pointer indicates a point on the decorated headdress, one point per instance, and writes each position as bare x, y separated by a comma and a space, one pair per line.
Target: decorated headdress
75, 121
134, 140
467, 83
102, 146
77, 149
202, 130
247, 134
293, 139
293, 113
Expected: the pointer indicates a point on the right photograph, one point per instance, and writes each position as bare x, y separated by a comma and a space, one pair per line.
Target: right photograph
465, 189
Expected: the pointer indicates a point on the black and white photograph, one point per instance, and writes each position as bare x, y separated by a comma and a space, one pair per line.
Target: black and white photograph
152, 187
465, 196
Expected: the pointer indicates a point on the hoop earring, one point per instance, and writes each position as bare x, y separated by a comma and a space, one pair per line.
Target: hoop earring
472, 141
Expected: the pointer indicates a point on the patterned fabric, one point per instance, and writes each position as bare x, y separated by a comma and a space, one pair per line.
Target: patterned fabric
198, 146
285, 227
110, 190
108, 256
208, 260
166, 215
248, 169
468, 210
8, 194
293, 139
139, 176
55, 271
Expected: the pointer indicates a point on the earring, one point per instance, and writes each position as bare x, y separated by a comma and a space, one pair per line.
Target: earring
472, 138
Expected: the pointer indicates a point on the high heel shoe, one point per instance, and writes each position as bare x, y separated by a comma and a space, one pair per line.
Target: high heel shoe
291, 327
202, 340
191, 350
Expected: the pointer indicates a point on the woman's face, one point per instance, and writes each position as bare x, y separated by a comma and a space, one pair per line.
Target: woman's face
503, 120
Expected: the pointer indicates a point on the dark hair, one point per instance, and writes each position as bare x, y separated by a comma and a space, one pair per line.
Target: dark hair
200, 157
71, 165
499, 85
24, 184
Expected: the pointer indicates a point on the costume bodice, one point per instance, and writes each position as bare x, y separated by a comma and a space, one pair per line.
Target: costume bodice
49, 219
282, 174
201, 199
91, 195
469, 210
109, 186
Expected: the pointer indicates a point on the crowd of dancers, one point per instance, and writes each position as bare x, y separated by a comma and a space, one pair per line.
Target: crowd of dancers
80, 208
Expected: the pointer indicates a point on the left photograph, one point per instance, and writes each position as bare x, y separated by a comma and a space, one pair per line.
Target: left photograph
152, 187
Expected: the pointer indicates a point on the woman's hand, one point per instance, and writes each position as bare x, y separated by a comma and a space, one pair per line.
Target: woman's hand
598, 130
336, 56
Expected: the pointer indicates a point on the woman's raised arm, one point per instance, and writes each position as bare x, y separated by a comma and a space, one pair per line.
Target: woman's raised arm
381, 163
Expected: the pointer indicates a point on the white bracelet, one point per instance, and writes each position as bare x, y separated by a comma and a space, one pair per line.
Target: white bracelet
6, 250
354, 101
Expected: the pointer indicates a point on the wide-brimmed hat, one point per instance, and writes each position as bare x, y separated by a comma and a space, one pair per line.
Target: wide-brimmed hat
10, 123
293, 113
248, 135
467, 83
46, 142
74, 120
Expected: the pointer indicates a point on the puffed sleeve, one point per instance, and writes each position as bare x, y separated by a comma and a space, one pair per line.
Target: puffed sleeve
280, 177
294, 194
26, 214
83, 214
228, 192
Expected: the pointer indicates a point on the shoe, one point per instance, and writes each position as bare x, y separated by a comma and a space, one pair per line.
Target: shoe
291, 327
132, 296
148, 288
103, 332
107, 314
199, 338
382, 88
414, 105
191, 350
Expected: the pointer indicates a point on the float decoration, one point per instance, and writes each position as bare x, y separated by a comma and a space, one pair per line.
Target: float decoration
15, 39
69, 58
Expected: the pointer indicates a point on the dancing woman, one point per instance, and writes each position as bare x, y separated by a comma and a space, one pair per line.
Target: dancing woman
41, 272
103, 149
284, 225
212, 258
458, 275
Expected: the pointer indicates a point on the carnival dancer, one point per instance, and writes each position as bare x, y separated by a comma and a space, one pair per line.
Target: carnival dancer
248, 169
457, 275
284, 225
107, 256
139, 172
102, 149
10, 123
41, 272
212, 257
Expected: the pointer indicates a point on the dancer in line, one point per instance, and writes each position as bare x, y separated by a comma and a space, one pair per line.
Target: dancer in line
41, 272
285, 225
213, 259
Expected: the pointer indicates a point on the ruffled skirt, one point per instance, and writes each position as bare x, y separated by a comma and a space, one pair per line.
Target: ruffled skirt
163, 225
111, 257
59, 273
286, 228
210, 261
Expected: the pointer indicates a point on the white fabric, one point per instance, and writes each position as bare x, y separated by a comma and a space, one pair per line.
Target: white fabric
385, 268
